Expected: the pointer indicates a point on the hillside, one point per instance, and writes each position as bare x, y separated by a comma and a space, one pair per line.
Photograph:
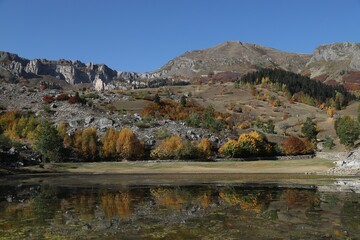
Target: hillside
337, 63
233, 56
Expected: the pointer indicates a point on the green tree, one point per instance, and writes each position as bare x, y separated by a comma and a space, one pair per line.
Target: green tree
48, 142
309, 129
348, 130
328, 142
183, 101
358, 112
157, 99
209, 120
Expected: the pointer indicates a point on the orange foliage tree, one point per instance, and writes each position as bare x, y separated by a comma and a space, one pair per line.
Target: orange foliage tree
128, 146
168, 148
293, 146
123, 144
204, 147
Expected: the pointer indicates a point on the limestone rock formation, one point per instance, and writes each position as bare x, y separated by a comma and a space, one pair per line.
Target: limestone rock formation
336, 63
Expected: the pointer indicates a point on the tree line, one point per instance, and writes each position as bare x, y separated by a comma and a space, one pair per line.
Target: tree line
296, 83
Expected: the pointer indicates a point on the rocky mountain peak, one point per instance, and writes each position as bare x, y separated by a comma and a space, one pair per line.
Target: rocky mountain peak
336, 52
336, 63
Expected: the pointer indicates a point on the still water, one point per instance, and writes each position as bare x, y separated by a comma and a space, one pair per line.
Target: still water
182, 207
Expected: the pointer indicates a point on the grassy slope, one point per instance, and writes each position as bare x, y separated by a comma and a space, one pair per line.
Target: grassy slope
278, 166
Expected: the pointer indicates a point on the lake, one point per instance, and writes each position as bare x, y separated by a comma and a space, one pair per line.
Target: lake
179, 206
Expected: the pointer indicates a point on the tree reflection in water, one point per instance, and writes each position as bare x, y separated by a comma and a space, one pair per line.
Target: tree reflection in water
50, 212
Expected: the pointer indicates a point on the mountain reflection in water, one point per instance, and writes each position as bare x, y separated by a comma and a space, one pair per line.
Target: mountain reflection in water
203, 211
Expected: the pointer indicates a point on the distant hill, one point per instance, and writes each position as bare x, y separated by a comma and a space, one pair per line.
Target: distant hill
233, 56
337, 63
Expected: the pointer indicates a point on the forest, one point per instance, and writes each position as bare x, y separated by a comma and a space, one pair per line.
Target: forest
296, 83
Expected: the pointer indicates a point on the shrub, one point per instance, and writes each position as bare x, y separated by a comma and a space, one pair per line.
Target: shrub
294, 146
204, 148
48, 99
62, 97
187, 151
248, 145
309, 129
328, 142
167, 148
348, 130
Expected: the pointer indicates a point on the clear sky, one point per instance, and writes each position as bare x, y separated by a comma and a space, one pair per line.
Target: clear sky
142, 35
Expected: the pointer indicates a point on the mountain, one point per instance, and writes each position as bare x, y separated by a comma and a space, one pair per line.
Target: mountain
337, 63
232, 56
73, 72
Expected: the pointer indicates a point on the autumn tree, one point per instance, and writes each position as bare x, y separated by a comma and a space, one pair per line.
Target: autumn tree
204, 147
89, 143
294, 146
167, 148
109, 143
123, 144
247, 145
128, 146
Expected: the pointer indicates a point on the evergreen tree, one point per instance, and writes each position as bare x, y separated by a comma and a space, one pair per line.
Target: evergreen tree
48, 142
309, 129
348, 130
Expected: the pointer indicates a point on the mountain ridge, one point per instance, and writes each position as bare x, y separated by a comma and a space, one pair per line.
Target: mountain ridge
336, 63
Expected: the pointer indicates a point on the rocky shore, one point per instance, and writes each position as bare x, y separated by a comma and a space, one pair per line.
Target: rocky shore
347, 163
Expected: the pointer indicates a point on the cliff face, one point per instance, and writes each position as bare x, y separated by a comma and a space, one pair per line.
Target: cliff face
337, 63
73, 72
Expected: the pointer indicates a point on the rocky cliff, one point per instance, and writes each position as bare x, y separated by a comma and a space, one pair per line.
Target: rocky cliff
337, 63
73, 72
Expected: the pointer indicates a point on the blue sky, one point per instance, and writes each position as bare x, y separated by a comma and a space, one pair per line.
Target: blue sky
142, 35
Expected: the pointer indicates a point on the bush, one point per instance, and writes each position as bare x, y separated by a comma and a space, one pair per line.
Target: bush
187, 151
248, 145
62, 97
48, 99
309, 129
168, 148
328, 142
348, 130
295, 146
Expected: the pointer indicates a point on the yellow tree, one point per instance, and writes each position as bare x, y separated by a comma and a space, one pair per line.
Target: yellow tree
205, 147
168, 148
128, 145
88, 143
109, 143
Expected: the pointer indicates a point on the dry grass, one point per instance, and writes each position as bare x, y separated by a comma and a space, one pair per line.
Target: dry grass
278, 166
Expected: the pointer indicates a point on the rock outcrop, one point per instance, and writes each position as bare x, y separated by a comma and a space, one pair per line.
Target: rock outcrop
347, 163
73, 72
337, 63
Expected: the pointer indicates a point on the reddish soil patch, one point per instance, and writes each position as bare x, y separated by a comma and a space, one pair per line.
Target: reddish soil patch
352, 81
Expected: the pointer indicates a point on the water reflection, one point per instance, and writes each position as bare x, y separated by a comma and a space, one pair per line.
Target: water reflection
170, 212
